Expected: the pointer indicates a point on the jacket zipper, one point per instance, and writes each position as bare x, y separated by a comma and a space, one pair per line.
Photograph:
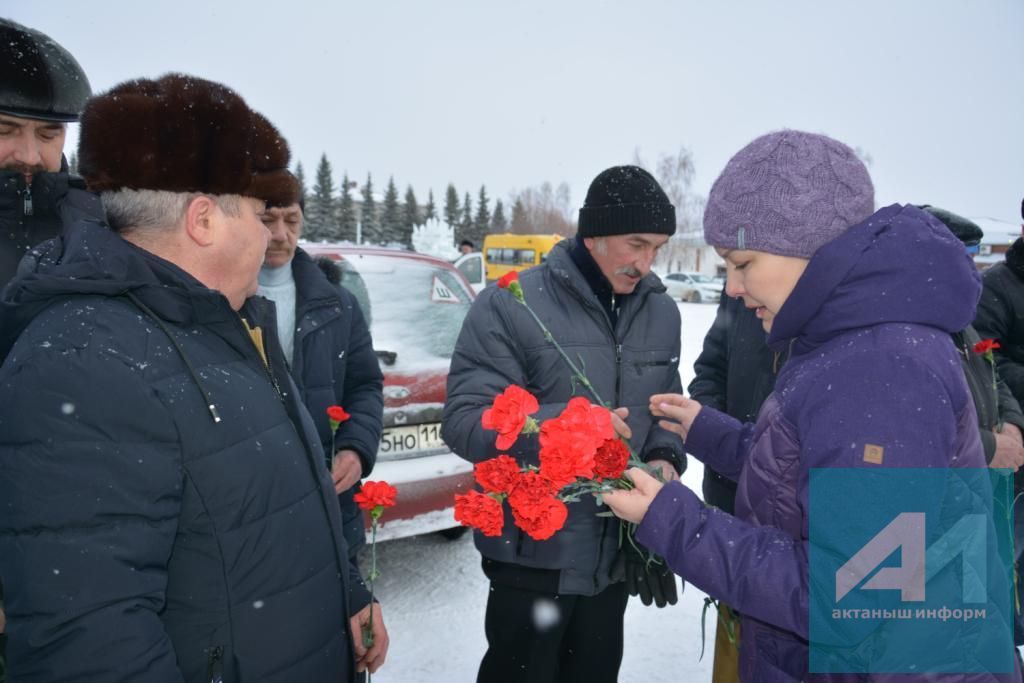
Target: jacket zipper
27, 202
215, 665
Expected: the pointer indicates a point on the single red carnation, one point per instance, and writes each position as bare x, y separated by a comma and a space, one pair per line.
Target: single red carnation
508, 278
611, 459
337, 415
569, 442
508, 415
550, 517
497, 475
375, 494
529, 490
986, 345
480, 511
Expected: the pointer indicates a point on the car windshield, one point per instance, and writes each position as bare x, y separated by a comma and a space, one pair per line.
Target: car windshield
703, 279
416, 308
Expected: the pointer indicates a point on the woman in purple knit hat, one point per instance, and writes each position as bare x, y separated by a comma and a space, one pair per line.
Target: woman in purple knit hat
864, 301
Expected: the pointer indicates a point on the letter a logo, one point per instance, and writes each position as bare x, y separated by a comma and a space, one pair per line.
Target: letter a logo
905, 533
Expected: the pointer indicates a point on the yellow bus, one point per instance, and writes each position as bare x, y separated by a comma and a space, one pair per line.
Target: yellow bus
504, 252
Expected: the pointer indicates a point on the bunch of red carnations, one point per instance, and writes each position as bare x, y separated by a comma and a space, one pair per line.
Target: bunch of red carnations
579, 454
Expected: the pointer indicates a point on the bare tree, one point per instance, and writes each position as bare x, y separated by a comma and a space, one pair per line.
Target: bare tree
542, 209
675, 174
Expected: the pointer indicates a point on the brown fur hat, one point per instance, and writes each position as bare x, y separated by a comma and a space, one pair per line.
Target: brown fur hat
182, 134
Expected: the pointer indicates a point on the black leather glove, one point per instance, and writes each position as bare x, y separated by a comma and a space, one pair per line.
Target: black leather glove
646, 575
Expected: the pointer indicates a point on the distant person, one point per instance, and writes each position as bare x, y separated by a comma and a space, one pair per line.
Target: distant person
864, 301
601, 302
327, 344
42, 88
466, 247
167, 515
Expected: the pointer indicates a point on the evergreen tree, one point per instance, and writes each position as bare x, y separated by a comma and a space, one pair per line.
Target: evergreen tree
520, 222
498, 221
391, 214
482, 224
451, 207
300, 175
368, 215
431, 211
346, 212
73, 164
320, 213
466, 221
410, 216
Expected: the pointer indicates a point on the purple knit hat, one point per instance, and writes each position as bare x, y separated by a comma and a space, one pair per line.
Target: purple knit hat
788, 193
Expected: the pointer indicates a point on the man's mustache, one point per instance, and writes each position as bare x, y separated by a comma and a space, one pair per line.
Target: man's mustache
25, 169
628, 270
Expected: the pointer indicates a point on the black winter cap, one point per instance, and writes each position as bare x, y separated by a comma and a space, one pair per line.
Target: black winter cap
964, 229
40, 79
624, 200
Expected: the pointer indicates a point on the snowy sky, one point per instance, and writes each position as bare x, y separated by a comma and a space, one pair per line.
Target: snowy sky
512, 94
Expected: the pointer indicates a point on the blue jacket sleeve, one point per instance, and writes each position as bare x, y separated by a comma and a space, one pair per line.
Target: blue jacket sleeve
91, 484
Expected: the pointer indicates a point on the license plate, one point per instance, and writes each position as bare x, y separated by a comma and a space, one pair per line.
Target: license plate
410, 441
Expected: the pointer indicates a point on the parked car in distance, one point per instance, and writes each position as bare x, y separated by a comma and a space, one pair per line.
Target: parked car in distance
415, 305
693, 287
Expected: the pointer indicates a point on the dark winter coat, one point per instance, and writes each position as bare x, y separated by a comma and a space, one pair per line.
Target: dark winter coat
872, 363
334, 363
734, 373
1000, 316
500, 344
993, 402
167, 513
29, 215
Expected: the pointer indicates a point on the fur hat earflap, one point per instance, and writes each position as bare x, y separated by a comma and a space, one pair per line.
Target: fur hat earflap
181, 133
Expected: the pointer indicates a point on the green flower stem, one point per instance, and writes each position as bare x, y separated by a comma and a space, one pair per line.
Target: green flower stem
577, 373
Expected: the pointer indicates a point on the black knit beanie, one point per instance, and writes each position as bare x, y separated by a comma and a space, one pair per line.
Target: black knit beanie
624, 200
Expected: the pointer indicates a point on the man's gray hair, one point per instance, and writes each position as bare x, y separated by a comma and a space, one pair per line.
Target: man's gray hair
155, 210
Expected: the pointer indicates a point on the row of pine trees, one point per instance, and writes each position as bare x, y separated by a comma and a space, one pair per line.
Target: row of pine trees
333, 213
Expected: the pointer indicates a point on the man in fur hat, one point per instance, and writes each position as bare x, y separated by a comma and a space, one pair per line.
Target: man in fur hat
167, 512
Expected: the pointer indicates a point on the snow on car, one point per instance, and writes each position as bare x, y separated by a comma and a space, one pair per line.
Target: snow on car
415, 305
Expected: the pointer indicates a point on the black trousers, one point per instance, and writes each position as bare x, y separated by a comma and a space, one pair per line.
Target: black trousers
535, 637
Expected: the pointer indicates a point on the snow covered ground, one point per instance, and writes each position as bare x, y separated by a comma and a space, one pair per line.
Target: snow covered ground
433, 594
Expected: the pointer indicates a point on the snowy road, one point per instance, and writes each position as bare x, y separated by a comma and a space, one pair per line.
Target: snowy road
433, 593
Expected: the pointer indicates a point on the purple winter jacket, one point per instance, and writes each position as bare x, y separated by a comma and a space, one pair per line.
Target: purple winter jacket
868, 325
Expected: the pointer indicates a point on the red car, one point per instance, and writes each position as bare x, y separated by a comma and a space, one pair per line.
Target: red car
415, 305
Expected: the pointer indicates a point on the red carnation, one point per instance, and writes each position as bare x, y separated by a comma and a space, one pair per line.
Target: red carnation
569, 442
376, 494
508, 415
336, 415
611, 459
508, 278
497, 475
986, 346
535, 508
479, 511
